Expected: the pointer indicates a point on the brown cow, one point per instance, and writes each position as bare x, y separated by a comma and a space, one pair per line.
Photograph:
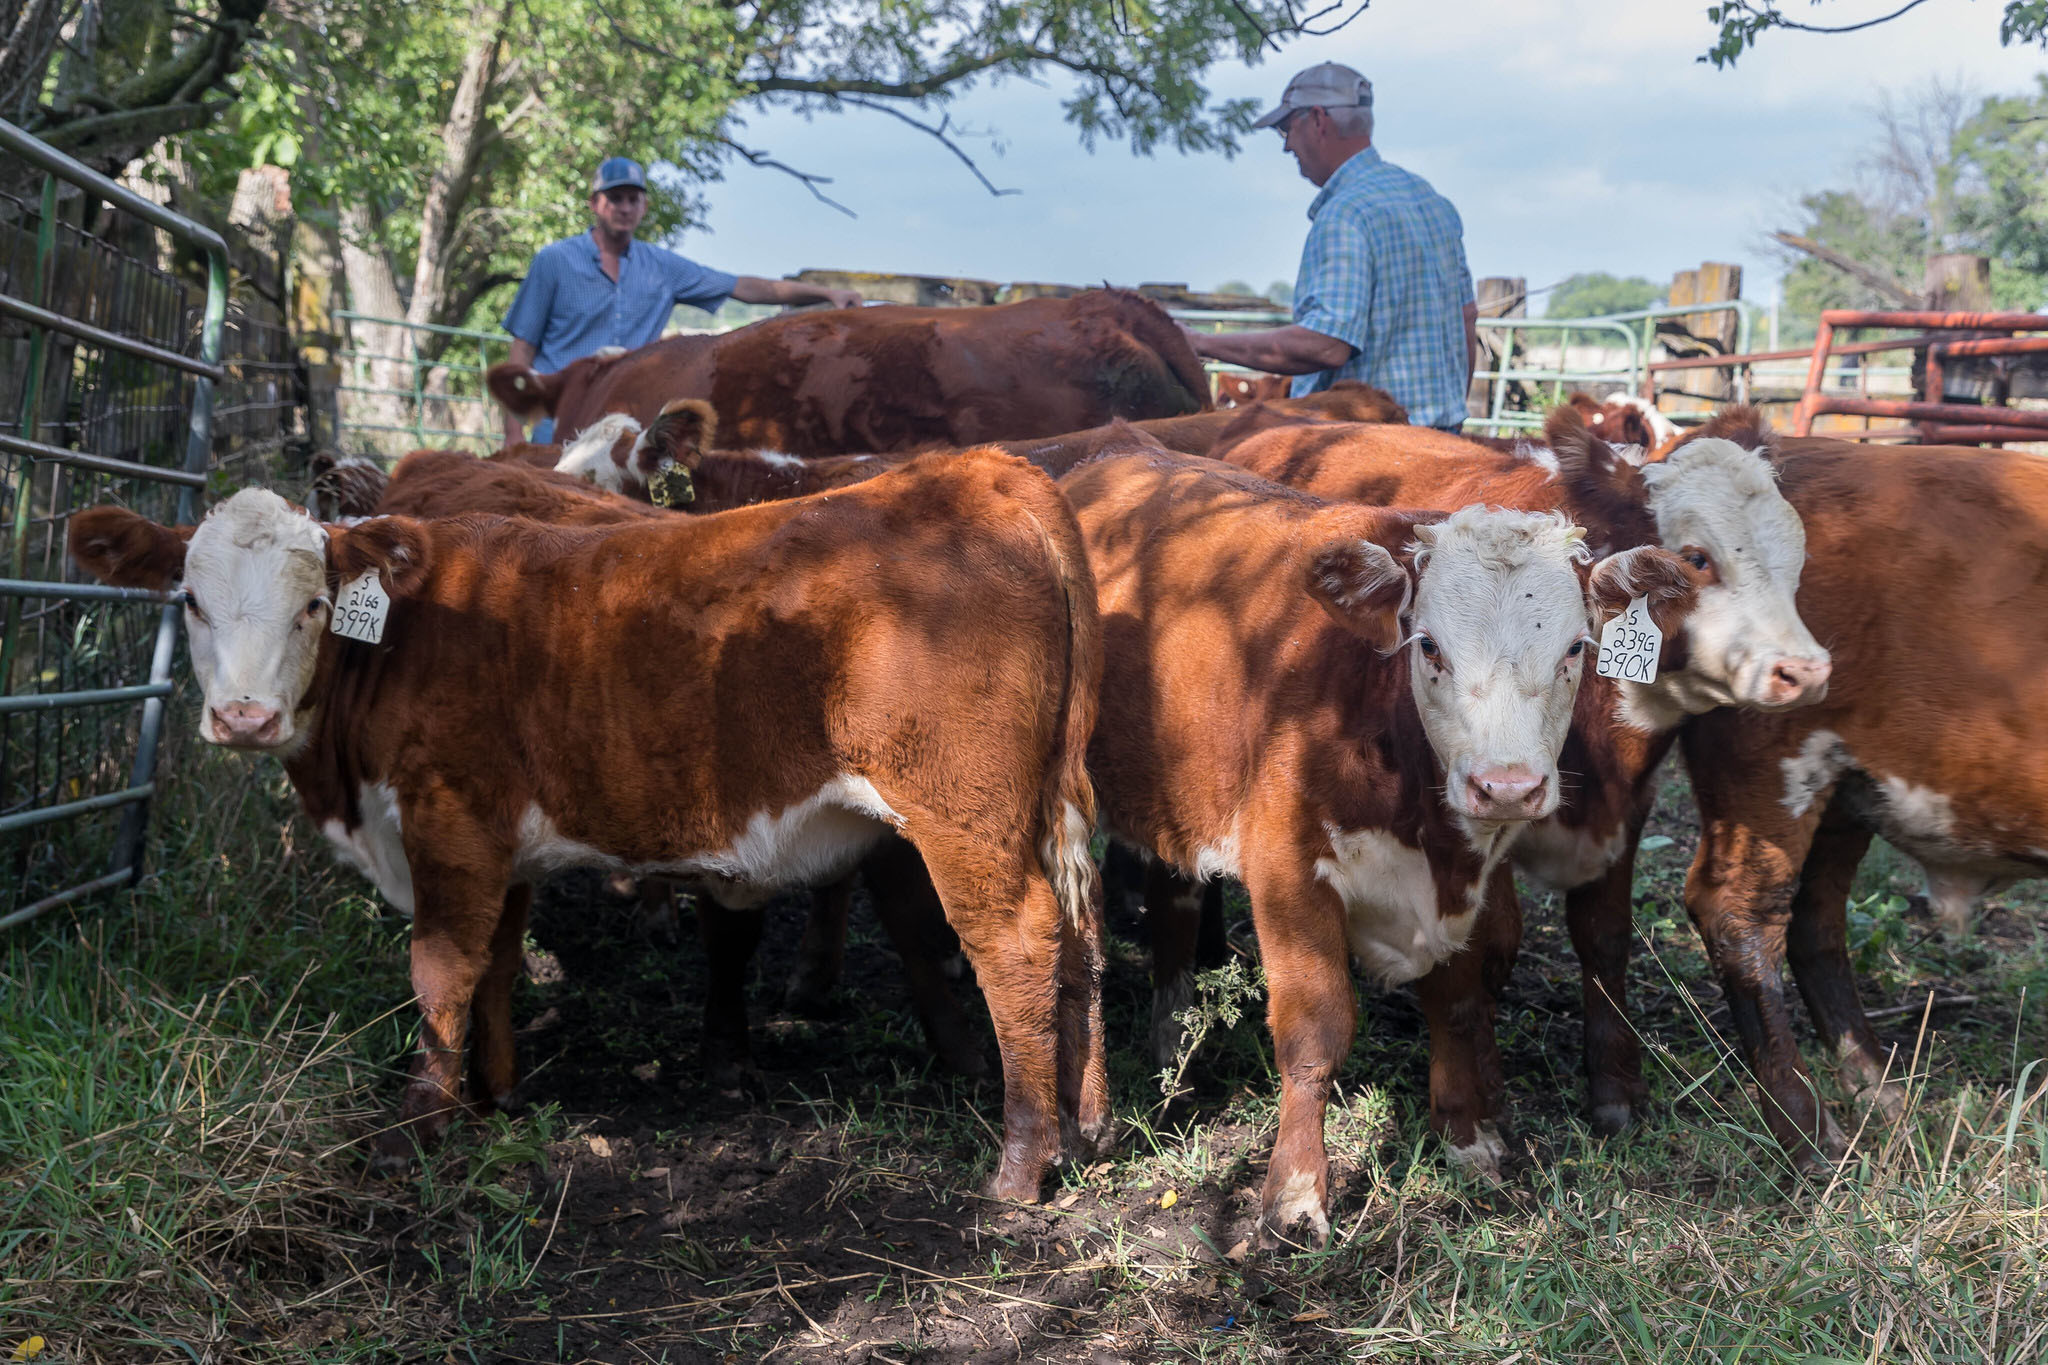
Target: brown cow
1741, 642
1924, 574
892, 378
1353, 731
945, 691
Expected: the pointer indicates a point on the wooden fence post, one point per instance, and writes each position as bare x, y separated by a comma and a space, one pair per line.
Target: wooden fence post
1498, 296
1704, 333
1958, 282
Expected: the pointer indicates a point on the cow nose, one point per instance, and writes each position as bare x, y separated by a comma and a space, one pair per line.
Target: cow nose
1512, 793
1797, 682
245, 722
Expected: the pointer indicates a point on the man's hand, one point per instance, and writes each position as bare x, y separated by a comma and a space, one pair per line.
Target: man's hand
844, 298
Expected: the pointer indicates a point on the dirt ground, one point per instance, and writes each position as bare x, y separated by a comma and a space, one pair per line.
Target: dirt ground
828, 1212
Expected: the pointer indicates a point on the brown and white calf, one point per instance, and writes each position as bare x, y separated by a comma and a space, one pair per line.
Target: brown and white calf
1925, 574
1735, 638
1350, 710
750, 701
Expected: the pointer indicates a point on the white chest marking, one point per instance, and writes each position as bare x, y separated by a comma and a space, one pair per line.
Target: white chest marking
376, 847
1390, 902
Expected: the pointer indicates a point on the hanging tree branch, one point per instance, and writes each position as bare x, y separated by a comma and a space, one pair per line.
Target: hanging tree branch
1877, 280
810, 180
938, 131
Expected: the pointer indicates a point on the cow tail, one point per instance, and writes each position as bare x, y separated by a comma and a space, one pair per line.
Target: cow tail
1067, 799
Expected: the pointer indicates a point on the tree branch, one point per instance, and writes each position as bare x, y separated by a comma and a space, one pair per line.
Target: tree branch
1880, 281
1777, 20
810, 181
939, 131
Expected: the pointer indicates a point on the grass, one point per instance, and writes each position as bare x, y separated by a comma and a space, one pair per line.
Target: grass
187, 1072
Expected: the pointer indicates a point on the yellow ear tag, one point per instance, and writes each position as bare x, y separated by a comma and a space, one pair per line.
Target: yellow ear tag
360, 612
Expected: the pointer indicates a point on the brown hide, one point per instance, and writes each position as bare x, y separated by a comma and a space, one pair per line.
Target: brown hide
448, 483
1924, 577
1240, 713
645, 692
1411, 466
894, 378
1242, 390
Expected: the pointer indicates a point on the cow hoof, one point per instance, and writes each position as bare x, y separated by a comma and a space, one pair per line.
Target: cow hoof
1483, 1156
1014, 1186
1090, 1141
1608, 1120
393, 1153
732, 1074
1885, 1102
1294, 1218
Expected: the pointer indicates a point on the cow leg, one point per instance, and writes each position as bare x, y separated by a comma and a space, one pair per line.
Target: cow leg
1212, 938
1817, 945
821, 955
908, 907
1601, 917
457, 917
730, 938
1312, 1012
1739, 894
1173, 909
1467, 1093
1123, 877
1008, 920
493, 1056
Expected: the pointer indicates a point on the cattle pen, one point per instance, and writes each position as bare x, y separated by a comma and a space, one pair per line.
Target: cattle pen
205, 1021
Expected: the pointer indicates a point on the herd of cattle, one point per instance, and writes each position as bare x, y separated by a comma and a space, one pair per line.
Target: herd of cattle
1347, 662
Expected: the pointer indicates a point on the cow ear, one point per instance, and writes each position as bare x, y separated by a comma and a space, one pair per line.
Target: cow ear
680, 435
127, 550
1646, 571
1363, 588
1603, 480
396, 547
522, 391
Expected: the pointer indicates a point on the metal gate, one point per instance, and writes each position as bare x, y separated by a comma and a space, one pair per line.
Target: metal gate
122, 379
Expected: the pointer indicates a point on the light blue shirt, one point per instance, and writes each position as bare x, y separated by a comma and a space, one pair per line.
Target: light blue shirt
1384, 270
568, 307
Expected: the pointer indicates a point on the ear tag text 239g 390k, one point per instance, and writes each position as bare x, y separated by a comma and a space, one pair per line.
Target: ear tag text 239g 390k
360, 610
1630, 645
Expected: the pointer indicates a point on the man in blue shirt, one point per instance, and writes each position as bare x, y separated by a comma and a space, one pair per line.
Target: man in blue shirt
601, 288
1384, 294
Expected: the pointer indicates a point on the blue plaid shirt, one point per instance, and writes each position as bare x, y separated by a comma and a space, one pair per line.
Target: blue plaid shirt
568, 307
1384, 270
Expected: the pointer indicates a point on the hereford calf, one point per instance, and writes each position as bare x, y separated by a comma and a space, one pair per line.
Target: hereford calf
1924, 572
750, 701
1735, 639
1348, 710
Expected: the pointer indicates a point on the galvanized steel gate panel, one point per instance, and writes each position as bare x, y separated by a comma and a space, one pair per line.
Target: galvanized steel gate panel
111, 382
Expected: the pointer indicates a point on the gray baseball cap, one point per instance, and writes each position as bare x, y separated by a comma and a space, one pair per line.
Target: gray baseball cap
615, 171
1328, 85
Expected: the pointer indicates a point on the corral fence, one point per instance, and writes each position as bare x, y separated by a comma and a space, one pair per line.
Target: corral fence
128, 374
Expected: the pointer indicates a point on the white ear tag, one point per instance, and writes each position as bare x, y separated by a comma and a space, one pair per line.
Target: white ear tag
360, 613
1630, 645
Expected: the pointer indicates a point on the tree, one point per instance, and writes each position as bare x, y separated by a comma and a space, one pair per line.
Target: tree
451, 135
105, 80
1597, 293
2005, 147
1742, 22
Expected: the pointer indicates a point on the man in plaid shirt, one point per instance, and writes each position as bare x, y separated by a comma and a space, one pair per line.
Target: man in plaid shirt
601, 288
1384, 294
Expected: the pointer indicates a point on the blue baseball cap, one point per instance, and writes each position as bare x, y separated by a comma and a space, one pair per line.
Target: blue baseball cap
616, 171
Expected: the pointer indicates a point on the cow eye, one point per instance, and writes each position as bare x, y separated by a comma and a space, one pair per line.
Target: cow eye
315, 605
192, 604
1697, 558
1578, 648
1428, 647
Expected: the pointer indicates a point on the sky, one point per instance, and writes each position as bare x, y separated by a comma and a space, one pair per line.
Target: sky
1573, 135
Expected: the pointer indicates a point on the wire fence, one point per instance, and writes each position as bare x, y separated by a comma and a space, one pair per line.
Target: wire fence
127, 375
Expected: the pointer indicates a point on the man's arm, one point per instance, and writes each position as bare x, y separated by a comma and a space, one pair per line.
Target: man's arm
1292, 349
754, 289
523, 353
1471, 341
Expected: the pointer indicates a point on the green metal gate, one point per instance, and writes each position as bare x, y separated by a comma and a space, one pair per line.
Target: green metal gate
121, 380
